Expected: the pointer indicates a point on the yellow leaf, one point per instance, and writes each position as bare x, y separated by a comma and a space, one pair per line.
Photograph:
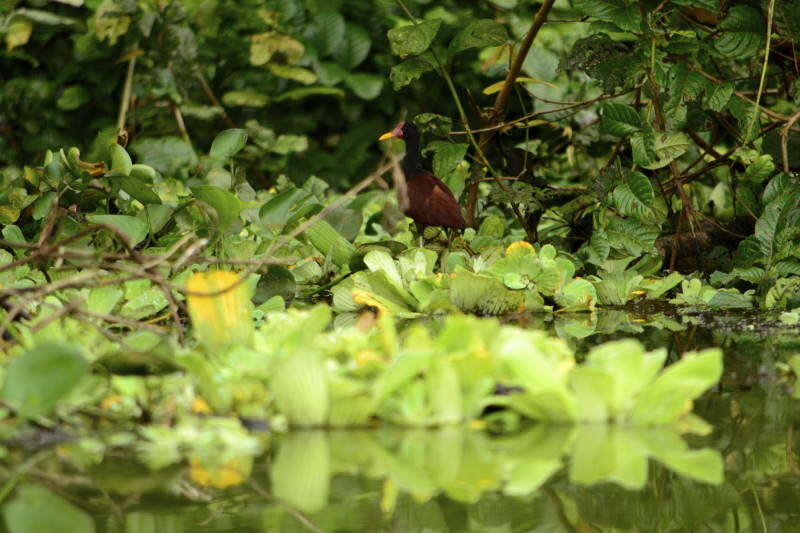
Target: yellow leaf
263, 46
220, 309
200, 406
496, 87
360, 296
520, 246
231, 473
19, 32
304, 76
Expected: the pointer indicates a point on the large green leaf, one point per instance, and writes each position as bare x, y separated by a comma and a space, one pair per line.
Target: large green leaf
330, 31
132, 228
484, 32
225, 204
301, 472
620, 119
139, 190
623, 14
743, 33
641, 187
668, 147
414, 38
35, 509
365, 86
355, 48
120, 160
40, 377
409, 70
671, 394
275, 212
446, 156
228, 143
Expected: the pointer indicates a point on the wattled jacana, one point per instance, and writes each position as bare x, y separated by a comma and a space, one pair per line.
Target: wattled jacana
430, 201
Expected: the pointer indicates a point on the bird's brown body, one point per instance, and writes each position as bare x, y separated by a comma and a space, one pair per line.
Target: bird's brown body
431, 203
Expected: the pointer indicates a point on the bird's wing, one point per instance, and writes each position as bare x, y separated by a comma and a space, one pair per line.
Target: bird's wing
433, 204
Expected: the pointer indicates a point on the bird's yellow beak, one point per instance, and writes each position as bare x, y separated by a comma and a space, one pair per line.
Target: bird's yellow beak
387, 135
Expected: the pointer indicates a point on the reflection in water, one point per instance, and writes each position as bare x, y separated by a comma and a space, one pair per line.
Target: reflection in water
464, 465
743, 475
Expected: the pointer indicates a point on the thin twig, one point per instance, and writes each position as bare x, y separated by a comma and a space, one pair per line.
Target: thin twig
756, 105
126, 91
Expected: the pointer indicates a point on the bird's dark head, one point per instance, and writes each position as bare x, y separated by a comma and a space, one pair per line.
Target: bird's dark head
404, 130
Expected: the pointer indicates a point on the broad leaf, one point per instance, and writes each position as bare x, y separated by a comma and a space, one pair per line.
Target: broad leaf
478, 34
620, 119
34, 509
228, 143
226, 205
409, 70
414, 38
40, 377
668, 147
131, 228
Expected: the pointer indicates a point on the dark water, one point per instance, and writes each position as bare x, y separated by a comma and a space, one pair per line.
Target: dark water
539, 478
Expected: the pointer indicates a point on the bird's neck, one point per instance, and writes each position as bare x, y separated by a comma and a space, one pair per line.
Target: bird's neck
412, 161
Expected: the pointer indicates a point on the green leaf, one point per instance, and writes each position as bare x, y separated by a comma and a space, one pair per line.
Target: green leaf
275, 212
245, 98
168, 155
156, 216
330, 31
641, 187
40, 377
44, 17
302, 75
355, 48
743, 33
330, 242
577, 294
484, 294
301, 472
409, 70
73, 97
346, 221
120, 160
131, 227
263, 46
139, 190
620, 119
305, 92
414, 38
446, 156
35, 508
670, 395
478, 34
18, 33
228, 143
300, 388
365, 86
102, 300
144, 173
624, 15
444, 392
719, 95
643, 146
669, 146
760, 169
13, 234
225, 203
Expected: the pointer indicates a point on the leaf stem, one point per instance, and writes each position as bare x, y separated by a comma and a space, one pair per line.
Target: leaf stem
770, 11
126, 91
